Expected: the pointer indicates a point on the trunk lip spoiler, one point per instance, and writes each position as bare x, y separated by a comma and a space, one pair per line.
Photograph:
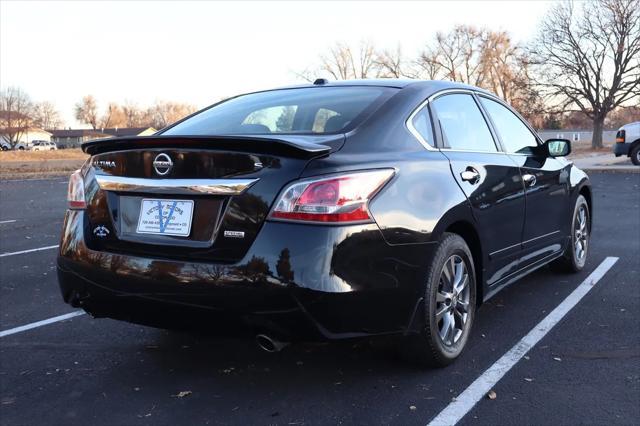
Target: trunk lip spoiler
294, 145
174, 186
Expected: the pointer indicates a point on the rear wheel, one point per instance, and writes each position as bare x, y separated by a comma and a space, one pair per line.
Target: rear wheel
450, 302
635, 155
575, 255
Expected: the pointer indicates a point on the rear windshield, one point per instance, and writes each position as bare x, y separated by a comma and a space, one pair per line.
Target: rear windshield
313, 110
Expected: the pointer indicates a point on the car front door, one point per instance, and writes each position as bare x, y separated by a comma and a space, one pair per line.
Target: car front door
490, 180
546, 183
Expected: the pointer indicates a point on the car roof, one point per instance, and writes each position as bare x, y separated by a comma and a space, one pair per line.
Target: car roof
399, 83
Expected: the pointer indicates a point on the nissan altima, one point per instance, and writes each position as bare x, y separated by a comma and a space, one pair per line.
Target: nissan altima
327, 211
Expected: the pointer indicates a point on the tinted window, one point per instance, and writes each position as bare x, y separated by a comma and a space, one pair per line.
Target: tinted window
422, 123
306, 110
515, 135
462, 124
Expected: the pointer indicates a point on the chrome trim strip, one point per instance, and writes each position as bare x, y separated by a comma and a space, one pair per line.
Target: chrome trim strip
409, 121
504, 249
541, 236
175, 186
409, 124
522, 243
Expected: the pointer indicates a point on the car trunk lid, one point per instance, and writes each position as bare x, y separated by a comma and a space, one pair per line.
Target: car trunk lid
214, 192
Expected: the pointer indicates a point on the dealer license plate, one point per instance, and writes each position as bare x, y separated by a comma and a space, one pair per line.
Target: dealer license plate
165, 217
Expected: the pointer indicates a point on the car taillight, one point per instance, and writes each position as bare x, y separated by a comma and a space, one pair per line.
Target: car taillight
620, 136
342, 198
75, 193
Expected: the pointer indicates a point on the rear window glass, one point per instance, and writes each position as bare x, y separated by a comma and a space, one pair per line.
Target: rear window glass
313, 110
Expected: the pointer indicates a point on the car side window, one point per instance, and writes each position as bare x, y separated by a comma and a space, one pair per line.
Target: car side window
422, 123
461, 123
515, 135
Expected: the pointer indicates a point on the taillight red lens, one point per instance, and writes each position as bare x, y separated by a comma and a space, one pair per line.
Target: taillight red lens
75, 193
334, 199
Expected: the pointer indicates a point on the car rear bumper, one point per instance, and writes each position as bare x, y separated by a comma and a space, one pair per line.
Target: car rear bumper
621, 149
297, 282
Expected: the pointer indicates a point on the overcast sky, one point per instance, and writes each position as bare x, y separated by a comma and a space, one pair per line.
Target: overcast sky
199, 52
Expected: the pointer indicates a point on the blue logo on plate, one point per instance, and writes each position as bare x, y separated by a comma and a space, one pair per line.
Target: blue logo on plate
164, 221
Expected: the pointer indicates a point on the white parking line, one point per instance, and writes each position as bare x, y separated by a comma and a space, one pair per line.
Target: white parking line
7, 221
28, 251
458, 408
40, 323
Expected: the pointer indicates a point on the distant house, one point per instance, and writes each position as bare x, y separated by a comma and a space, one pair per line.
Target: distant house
72, 138
25, 136
129, 131
577, 136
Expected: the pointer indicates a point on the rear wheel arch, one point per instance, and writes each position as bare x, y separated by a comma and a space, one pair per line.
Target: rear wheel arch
467, 231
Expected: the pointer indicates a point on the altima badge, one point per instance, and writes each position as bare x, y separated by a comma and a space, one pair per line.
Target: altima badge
162, 164
105, 164
234, 234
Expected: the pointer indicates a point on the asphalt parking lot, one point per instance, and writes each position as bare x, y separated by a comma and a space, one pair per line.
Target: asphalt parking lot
82, 371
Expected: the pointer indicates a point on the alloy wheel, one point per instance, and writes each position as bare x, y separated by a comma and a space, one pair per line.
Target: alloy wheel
581, 234
452, 300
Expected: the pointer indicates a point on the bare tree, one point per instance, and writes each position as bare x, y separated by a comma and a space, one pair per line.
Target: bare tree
132, 113
590, 58
391, 63
427, 66
16, 114
506, 72
457, 55
114, 116
163, 113
344, 62
46, 116
87, 111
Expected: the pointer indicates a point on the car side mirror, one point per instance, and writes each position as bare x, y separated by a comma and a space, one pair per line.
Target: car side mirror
557, 147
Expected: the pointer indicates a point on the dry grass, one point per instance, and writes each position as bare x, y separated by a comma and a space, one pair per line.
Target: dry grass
38, 164
61, 154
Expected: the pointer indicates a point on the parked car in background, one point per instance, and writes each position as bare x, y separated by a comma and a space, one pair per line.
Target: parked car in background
628, 142
324, 211
20, 146
43, 146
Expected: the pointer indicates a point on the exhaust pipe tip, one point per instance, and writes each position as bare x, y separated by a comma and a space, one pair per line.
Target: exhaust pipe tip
269, 344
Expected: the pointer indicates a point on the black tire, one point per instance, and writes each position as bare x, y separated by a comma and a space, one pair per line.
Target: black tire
429, 348
21, 148
635, 155
571, 261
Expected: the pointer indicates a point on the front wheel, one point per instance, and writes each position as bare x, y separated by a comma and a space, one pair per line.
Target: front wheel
450, 305
635, 155
575, 255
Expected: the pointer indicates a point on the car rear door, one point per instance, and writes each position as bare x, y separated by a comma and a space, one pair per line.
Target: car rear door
546, 183
490, 180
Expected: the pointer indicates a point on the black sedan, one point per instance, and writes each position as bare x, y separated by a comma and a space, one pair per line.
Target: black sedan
324, 211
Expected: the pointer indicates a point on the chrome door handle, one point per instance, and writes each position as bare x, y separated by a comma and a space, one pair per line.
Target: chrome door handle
530, 180
470, 175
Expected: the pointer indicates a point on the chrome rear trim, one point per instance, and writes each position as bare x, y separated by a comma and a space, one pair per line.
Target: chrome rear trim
175, 186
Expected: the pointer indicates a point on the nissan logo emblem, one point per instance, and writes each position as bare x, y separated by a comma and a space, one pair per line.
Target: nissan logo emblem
162, 164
